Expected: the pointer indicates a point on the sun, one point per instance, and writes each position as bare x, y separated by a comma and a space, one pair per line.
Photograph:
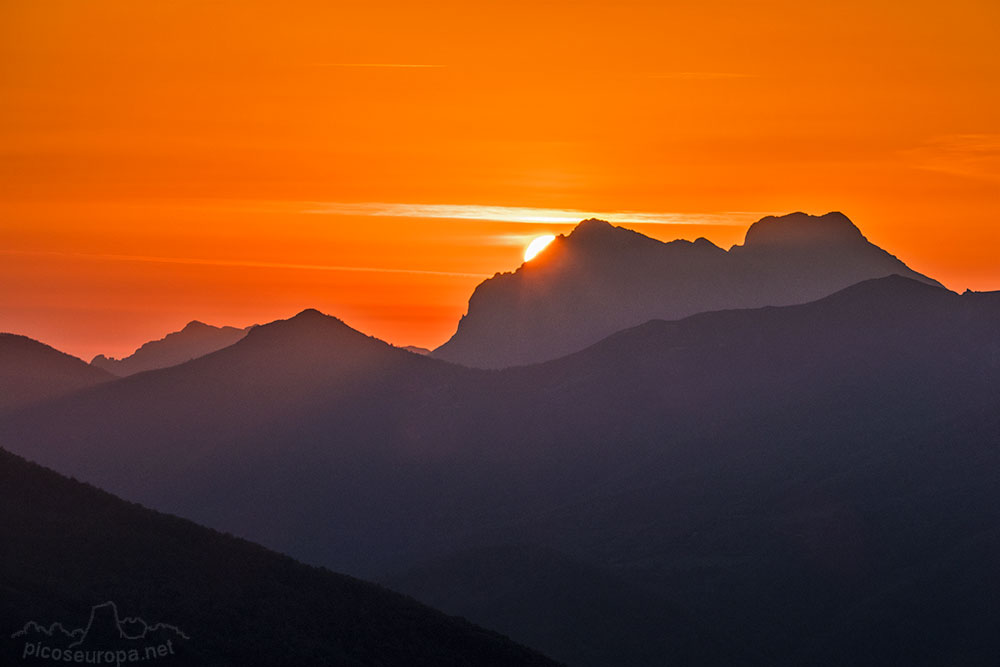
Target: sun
537, 245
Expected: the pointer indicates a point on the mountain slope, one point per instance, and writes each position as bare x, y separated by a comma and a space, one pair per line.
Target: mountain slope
68, 547
195, 340
766, 471
581, 614
31, 371
298, 398
601, 279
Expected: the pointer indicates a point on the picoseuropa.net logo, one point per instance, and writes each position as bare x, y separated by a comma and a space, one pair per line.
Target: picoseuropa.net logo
107, 639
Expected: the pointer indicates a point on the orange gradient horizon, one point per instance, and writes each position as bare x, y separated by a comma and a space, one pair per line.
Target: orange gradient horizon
238, 161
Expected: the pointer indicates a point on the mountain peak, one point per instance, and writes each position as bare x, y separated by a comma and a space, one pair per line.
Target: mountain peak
196, 339
311, 314
195, 325
309, 327
309, 319
803, 229
593, 225
594, 233
893, 288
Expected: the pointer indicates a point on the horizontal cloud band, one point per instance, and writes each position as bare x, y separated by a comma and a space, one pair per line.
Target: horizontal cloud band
521, 214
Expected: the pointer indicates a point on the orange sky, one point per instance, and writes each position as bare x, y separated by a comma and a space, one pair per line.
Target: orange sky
237, 161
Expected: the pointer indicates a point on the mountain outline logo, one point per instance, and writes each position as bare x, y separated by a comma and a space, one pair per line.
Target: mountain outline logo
107, 639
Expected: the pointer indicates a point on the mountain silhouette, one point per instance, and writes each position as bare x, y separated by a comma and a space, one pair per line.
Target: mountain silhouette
31, 371
196, 339
782, 476
233, 602
601, 279
287, 376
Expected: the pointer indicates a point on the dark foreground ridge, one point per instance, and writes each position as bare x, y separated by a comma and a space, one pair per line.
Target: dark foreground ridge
206, 598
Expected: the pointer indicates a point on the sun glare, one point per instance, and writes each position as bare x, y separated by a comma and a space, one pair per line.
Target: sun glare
536, 246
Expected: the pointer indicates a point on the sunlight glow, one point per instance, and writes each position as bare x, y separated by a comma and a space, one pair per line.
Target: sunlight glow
521, 214
537, 245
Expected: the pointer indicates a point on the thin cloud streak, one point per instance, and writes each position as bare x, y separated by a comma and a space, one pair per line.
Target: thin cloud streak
526, 215
242, 263
975, 156
380, 65
700, 76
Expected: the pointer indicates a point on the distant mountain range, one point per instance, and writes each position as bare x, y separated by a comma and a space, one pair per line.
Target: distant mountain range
195, 340
601, 279
31, 372
750, 484
793, 479
68, 547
